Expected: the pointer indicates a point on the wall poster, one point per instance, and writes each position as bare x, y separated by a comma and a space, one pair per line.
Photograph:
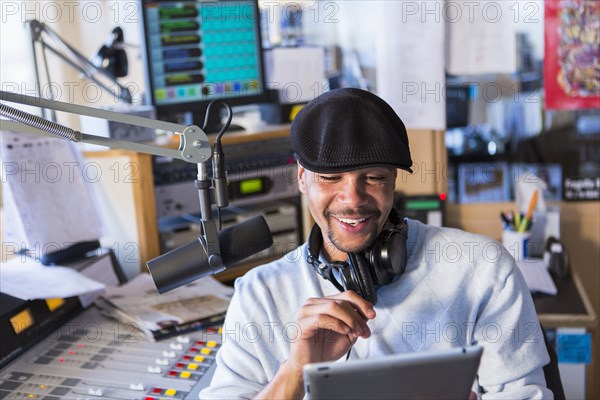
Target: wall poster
572, 53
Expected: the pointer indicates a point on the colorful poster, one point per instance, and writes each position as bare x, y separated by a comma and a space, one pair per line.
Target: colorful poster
572, 54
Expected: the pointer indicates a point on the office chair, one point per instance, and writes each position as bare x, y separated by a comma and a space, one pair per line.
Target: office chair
551, 372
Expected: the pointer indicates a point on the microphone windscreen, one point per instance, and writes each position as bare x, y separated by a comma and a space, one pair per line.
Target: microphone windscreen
190, 262
244, 240
179, 266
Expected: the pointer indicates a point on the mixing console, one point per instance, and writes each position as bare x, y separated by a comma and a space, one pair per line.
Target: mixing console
92, 357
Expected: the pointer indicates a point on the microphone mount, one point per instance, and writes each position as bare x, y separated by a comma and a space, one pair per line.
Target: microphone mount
194, 147
46, 39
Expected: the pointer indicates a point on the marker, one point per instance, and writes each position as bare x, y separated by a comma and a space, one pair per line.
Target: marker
529, 215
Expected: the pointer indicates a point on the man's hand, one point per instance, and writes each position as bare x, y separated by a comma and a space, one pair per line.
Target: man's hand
329, 327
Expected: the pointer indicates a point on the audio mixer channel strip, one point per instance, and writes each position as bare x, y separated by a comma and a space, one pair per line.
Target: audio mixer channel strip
93, 357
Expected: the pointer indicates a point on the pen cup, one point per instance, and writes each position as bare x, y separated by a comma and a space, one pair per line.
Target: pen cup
516, 243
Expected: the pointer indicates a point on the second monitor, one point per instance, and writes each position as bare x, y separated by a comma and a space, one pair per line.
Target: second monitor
199, 51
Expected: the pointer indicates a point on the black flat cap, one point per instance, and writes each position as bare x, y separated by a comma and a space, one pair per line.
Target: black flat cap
347, 129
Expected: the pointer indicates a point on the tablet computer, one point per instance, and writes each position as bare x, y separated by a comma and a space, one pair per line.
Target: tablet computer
441, 374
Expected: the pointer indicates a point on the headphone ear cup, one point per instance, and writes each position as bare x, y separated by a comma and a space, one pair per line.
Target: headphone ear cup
361, 273
389, 255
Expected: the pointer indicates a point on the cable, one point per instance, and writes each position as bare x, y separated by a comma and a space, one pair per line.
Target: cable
218, 161
229, 118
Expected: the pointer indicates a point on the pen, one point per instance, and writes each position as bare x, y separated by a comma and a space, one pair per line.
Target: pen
505, 220
517, 221
532, 204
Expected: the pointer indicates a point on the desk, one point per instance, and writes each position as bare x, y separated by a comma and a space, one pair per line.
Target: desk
570, 311
571, 307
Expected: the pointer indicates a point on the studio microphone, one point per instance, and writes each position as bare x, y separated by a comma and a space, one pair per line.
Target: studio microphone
190, 262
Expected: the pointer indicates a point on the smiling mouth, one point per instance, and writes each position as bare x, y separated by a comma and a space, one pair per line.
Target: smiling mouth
351, 221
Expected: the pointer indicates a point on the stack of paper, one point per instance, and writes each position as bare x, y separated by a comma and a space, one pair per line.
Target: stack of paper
196, 305
27, 279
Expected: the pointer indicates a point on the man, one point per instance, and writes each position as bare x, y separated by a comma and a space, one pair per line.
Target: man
456, 288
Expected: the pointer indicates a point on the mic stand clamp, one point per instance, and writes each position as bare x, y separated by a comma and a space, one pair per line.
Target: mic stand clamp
209, 238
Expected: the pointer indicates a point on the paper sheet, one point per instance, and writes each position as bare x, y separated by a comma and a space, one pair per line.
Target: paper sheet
26, 279
298, 73
45, 181
481, 37
535, 272
410, 65
139, 302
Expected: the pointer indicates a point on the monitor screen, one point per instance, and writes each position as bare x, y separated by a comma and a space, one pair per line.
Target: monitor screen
198, 51
457, 106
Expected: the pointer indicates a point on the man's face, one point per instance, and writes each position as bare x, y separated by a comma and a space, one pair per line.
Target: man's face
351, 208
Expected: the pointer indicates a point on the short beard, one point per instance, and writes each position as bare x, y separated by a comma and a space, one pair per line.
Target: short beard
346, 249
374, 213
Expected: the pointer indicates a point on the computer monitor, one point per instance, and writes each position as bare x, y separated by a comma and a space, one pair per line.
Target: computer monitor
199, 51
457, 105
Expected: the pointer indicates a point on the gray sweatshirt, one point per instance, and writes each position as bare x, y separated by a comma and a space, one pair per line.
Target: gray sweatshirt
458, 288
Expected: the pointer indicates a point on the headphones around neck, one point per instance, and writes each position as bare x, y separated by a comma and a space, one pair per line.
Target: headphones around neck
378, 265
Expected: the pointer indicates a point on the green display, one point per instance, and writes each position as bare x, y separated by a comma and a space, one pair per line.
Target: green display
251, 186
422, 204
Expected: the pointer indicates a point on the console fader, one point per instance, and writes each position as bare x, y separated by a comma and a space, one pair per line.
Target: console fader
93, 357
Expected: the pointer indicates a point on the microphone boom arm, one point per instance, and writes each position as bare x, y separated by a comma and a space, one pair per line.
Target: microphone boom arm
44, 36
194, 146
